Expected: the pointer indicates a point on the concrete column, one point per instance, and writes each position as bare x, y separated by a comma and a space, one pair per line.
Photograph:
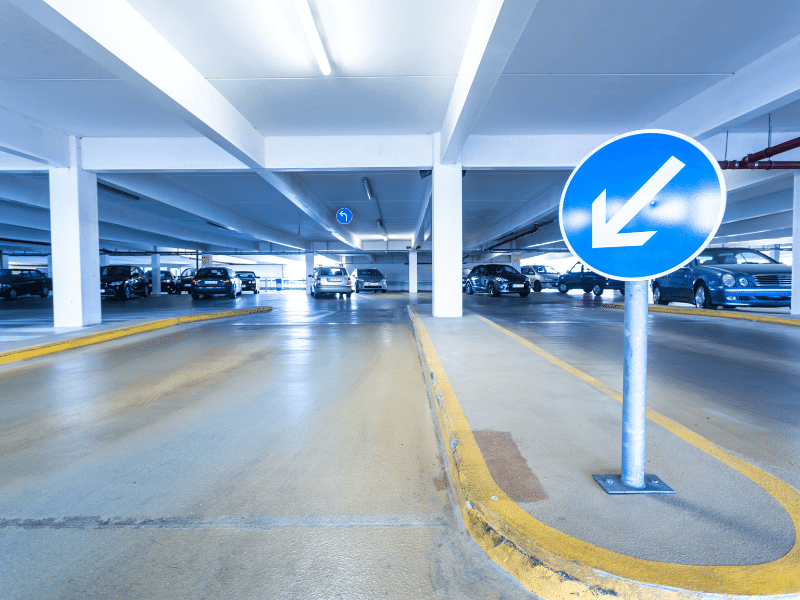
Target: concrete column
516, 257
447, 243
75, 243
775, 253
2, 260
50, 266
103, 260
155, 265
412, 272
309, 270
796, 246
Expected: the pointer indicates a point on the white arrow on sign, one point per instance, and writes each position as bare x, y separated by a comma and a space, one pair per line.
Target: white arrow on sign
607, 234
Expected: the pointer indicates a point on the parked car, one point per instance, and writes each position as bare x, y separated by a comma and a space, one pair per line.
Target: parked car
249, 281
365, 280
123, 281
581, 277
212, 281
541, 277
496, 280
331, 280
24, 282
727, 277
169, 283
185, 280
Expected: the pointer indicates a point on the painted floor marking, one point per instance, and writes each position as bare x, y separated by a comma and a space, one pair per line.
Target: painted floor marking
763, 579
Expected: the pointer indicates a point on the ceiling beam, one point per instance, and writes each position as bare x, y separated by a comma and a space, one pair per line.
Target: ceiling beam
296, 190
552, 152
768, 204
152, 186
426, 202
31, 141
120, 40
496, 29
543, 205
769, 82
775, 234
764, 223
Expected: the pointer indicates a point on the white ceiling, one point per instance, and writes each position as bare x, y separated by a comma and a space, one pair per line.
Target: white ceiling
215, 122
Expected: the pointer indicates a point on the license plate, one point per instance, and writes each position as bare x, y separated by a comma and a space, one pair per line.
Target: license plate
210, 282
334, 280
517, 285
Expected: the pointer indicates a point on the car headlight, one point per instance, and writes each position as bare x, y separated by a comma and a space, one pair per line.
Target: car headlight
502, 280
4, 286
728, 280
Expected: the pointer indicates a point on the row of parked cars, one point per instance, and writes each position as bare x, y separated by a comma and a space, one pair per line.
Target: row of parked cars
726, 277
126, 281
336, 280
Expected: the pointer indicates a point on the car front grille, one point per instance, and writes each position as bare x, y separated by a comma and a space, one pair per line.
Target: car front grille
774, 279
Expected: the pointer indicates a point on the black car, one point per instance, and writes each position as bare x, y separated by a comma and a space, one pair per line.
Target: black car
185, 280
123, 281
581, 277
210, 281
496, 280
249, 281
727, 277
24, 282
169, 283
366, 280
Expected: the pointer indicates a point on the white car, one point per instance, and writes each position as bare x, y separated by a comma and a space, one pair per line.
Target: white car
541, 277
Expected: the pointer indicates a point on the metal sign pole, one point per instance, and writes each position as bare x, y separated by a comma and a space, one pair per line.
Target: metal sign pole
634, 386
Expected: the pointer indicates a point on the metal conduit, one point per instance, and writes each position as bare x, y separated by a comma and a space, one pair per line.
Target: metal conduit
751, 161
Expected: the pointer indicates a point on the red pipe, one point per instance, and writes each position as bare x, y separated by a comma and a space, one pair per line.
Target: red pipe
771, 151
766, 164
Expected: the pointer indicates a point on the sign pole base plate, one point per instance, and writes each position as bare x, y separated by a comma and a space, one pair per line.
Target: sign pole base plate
612, 484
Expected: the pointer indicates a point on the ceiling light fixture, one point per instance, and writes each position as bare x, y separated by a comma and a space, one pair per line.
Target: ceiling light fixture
312, 33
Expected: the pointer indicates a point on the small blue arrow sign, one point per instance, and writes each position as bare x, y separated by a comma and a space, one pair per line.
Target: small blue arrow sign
642, 205
344, 216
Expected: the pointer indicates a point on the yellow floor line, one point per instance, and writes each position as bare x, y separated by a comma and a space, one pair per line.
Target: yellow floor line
557, 566
113, 334
703, 312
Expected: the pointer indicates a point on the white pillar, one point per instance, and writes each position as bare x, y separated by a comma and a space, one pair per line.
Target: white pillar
775, 253
447, 244
309, 270
412, 272
796, 246
75, 243
155, 266
516, 257
50, 266
103, 260
3, 260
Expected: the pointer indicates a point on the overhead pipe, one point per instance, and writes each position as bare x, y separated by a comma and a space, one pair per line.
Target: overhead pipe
751, 161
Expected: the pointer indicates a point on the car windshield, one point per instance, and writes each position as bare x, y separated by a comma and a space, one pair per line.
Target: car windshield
212, 273
550, 270
734, 257
332, 271
115, 271
370, 272
501, 270
247, 274
188, 272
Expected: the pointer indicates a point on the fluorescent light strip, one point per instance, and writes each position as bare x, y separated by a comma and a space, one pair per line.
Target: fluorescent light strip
304, 11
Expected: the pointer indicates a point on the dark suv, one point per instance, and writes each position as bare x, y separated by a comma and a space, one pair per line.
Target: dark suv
210, 281
496, 280
169, 283
23, 282
184, 281
123, 281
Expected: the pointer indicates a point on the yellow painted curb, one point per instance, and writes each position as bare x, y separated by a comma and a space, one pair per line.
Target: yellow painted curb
557, 566
702, 312
113, 334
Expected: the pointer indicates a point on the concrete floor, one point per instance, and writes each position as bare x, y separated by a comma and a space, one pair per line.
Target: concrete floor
293, 454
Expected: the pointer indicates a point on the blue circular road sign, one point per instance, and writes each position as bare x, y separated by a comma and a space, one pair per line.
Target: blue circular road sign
642, 205
344, 216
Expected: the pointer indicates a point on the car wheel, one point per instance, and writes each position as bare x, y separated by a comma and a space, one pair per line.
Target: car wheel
491, 290
195, 296
537, 286
525, 293
232, 295
469, 288
383, 291
597, 290
657, 298
702, 297
45, 292
349, 294
255, 291
563, 288
12, 294
358, 289
126, 292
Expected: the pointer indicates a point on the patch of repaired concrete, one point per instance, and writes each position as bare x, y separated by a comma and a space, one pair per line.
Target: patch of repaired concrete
508, 467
